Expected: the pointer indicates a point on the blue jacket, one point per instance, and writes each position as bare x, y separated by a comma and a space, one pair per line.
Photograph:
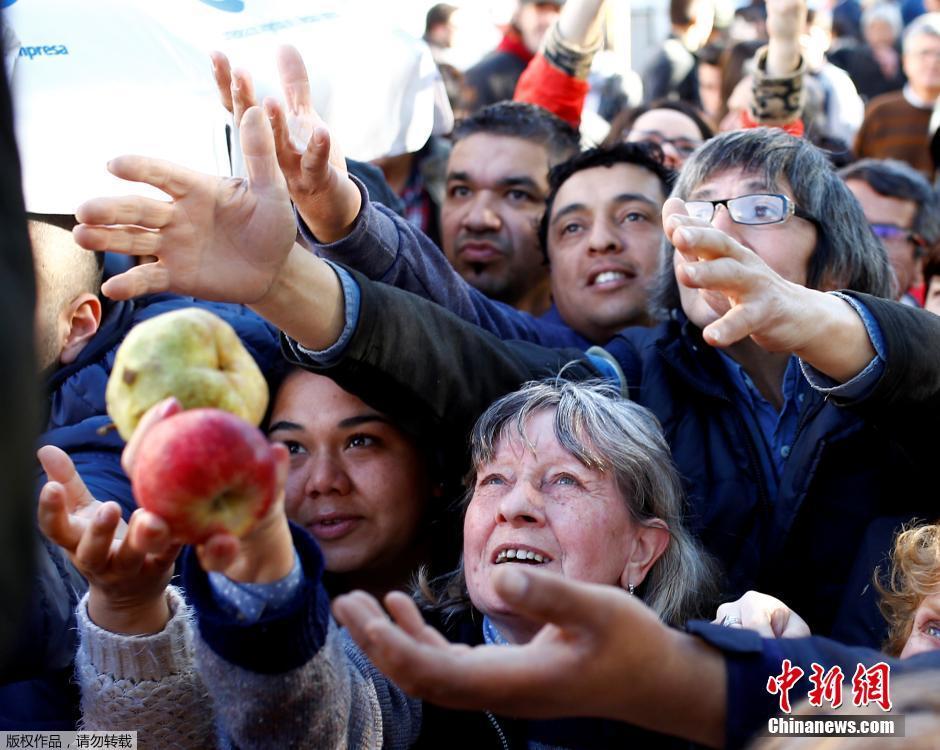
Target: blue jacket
385, 247
751, 660
851, 476
77, 416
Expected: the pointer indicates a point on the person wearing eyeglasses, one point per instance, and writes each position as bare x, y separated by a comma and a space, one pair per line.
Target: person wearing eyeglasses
676, 127
901, 209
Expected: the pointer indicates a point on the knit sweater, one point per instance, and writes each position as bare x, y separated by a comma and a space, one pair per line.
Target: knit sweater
894, 128
144, 683
156, 685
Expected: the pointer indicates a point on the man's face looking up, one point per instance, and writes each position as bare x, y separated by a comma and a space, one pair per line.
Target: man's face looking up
496, 188
604, 243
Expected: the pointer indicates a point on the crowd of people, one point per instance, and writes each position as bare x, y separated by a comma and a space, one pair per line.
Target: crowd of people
585, 433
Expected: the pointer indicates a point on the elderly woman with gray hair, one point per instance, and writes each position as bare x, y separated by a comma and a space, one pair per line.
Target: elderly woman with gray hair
566, 477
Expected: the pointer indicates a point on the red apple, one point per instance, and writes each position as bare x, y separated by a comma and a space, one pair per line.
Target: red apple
205, 471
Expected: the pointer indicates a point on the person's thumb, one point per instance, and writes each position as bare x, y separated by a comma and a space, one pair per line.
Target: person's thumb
550, 598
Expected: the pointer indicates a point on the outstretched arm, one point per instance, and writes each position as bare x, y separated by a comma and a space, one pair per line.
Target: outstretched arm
340, 223
593, 638
556, 78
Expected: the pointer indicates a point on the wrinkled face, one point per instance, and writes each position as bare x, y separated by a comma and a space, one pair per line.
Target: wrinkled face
786, 247
541, 506
496, 187
533, 20
882, 209
604, 243
356, 482
676, 133
925, 633
921, 64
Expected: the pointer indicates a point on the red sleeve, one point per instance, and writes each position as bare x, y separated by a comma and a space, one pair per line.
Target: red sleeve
543, 84
793, 128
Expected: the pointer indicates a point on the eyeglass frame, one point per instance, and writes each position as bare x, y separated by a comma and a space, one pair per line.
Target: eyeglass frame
909, 235
654, 136
789, 209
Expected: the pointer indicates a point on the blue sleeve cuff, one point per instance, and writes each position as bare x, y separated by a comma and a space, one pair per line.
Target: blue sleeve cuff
352, 301
864, 383
749, 660
246, 602
278, 641
310, 239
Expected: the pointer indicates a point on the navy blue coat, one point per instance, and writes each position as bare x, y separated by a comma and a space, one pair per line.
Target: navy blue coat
851, 476
43, 697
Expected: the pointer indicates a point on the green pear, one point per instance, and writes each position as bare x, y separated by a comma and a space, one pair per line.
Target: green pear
192, 354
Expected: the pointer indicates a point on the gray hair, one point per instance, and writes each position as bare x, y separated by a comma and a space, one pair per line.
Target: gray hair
886, 12
609, 434
897, 179
927, 24
847, 254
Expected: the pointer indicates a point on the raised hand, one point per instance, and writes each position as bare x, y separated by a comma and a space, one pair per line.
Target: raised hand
760, 303
601, 653
127, 566
755, 301
217, 239
786, 21
310, 159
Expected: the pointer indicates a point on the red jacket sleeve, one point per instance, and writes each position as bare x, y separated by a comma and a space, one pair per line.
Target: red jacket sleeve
543, 84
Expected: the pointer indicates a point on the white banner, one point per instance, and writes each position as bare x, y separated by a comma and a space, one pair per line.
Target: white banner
99, 78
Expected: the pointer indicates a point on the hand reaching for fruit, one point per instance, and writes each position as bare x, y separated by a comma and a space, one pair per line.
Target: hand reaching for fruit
128, 568
218, 483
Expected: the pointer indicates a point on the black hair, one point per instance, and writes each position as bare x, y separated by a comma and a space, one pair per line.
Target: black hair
437, 15
896, 179
680, 12
649, 156
528, 122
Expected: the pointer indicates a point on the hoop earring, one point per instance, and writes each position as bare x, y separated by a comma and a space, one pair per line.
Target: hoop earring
630, 589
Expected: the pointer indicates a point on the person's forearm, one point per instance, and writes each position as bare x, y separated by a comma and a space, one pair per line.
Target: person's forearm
783, 56
839, 345
688, 697
306, 301
580, 21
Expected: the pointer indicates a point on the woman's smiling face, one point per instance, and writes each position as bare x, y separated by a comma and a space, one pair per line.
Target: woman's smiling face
536, 504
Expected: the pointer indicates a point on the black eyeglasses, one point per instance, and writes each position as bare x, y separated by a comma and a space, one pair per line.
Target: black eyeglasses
756, 209
683, 146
